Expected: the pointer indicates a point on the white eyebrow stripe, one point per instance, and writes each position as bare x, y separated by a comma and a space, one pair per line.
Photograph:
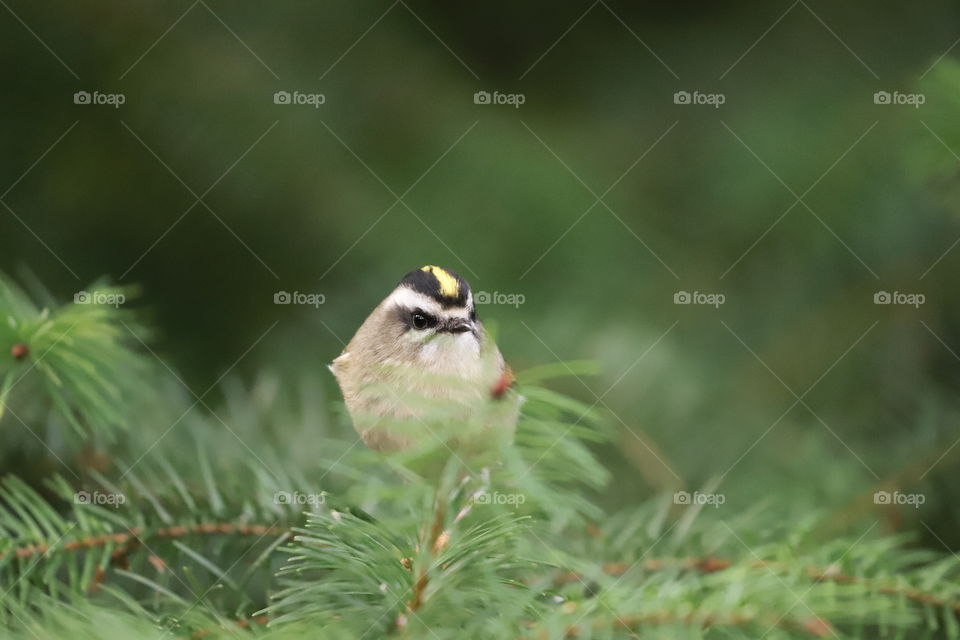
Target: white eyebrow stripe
407, 297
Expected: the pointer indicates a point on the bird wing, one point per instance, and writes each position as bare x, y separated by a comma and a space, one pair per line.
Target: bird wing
504, 382
339, 363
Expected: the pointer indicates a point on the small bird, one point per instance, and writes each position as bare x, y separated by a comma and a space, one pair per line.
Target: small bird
421, 364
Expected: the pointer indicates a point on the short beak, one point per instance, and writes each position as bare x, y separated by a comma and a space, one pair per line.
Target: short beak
458, 325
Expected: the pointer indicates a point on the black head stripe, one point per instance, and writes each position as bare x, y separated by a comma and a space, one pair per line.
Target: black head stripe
443, 285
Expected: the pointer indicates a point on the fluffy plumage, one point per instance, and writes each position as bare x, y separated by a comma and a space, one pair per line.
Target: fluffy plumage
422, 357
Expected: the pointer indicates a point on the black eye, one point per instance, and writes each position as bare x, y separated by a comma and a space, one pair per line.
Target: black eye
421, 320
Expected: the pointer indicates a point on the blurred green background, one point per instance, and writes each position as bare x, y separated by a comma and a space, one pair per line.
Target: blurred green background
596, 201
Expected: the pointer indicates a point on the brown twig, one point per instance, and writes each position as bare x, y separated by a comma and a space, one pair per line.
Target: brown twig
130, 539
437, 540
434, 544
243, 623
711, 564
816, 627
705, 565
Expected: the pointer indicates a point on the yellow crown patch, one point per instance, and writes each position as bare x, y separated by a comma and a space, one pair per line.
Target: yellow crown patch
449, 287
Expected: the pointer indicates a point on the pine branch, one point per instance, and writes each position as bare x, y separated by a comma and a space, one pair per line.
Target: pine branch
386, 557
78, 359
816, 627
48, 550
439, 539
712, 564
138, 536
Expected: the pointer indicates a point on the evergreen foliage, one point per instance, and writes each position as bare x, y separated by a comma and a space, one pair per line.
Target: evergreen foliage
263, 517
